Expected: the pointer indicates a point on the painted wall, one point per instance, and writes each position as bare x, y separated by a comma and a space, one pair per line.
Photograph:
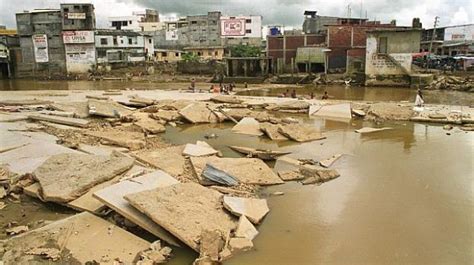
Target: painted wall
252, 26
80, 58
459, 33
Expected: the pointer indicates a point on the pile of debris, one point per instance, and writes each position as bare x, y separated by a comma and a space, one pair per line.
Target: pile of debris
450, 82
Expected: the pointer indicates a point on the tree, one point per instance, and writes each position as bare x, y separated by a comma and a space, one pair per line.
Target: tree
190, 57
245, 51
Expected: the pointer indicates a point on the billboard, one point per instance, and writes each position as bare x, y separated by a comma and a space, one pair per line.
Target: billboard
76, 15
78, 37
233, 27
40, 44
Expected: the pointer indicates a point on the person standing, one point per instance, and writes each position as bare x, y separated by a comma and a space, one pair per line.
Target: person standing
293, 93
419, 100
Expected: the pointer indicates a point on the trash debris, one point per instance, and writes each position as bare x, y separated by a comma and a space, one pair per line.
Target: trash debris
185, 210
65, 177
218, 176
259, 153
253, 209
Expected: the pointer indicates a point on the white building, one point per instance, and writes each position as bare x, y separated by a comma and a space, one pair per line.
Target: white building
147, 20
459, 33
122, 46
241, 30
80, 50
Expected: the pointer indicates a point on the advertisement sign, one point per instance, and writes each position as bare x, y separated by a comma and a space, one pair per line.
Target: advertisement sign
233, 27
40, 44
458, 37
76, 15
78, 37
172, 34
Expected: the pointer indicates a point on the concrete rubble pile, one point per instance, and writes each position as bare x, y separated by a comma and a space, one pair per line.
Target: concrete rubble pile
453, 83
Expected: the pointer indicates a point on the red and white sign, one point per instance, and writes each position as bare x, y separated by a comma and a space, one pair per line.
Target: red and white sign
76, 15
78, 37
40, 44
233, 27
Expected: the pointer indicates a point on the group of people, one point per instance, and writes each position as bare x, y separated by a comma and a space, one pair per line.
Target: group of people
287, 94
222, 88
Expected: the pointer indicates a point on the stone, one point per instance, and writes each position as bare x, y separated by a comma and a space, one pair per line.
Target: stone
199, 149
46, 253
168, 159
60, 120
186, 210
148, 124
290, 175
82, 238
240, 245
447, 127
437, 116
16, 230
300, 132
253, 209
319, 174
245, 229
271, 130
113, 197
371, 130
65, 177
210, 244
246, 170
248, 126
337, 111
358, 112
3, 192
329, 161
198, 113
130, 140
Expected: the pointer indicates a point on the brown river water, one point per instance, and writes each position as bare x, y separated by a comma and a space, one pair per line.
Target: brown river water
405, 196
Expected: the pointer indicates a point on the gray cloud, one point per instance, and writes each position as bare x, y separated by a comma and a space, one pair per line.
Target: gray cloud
281, 12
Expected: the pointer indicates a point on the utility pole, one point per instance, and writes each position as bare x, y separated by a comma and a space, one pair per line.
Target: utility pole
349, 10
433, 35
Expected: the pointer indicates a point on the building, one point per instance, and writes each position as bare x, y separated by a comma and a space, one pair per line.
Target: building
9, 52
449, 41
78, 22
282, 49
247, 68
148, 20
121, 46
168, 56
41, 43
388, 59
246, 30
316, 24
207, 52
311, 59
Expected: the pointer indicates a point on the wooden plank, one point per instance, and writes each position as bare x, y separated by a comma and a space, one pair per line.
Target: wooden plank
113, 197
61, 120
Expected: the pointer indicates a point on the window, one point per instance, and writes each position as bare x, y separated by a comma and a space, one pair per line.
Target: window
216, 53
248, 31
194, 22
164, 54
121, 41
103, 41
248, 21
66, 10
77, 7
115, 40
382, 45
130, 22
129, 41
101, 53
149, 41
209, 53
199, 53
176, 54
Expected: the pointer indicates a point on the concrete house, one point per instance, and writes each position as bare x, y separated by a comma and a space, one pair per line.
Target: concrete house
388, 59
78, 21
120, 46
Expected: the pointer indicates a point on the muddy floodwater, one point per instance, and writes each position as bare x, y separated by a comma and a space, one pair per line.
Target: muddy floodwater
405, 196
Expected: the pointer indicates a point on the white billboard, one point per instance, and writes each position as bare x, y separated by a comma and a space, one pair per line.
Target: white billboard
78, 37
233, 27
40, 44
76, 15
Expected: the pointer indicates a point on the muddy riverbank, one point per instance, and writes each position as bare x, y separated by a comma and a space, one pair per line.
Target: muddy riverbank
400, 197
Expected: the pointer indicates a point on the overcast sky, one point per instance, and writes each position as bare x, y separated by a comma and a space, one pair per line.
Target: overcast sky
275, 12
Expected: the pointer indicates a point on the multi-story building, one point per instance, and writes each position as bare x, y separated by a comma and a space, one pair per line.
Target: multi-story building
9, 52
122, 46
316, 24
450, 41
41, 43
78, 22
148, 20
246, 30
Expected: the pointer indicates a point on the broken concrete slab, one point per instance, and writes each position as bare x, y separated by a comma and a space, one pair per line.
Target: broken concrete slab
168, 159
61, 120
337, 111
358, 112
245, 229
198, 113
226, 99
371, 130
147, 124
167, 115
300, 132
315, 174
248, 126
240, 245
294, 105
10, 117
253, 209
109, 109
218, 176
211, 243
80, 109
101, 150
271, 130
130, 140
144, 101
20, 102
329, 161
199, 149
246, 170
57, 113
113, 197
66, 177
259, 153
79, 238
185, 210
290, 175
60, 126
313, 109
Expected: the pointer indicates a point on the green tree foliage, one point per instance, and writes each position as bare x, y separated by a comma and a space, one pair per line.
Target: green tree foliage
190, 57
245, 51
